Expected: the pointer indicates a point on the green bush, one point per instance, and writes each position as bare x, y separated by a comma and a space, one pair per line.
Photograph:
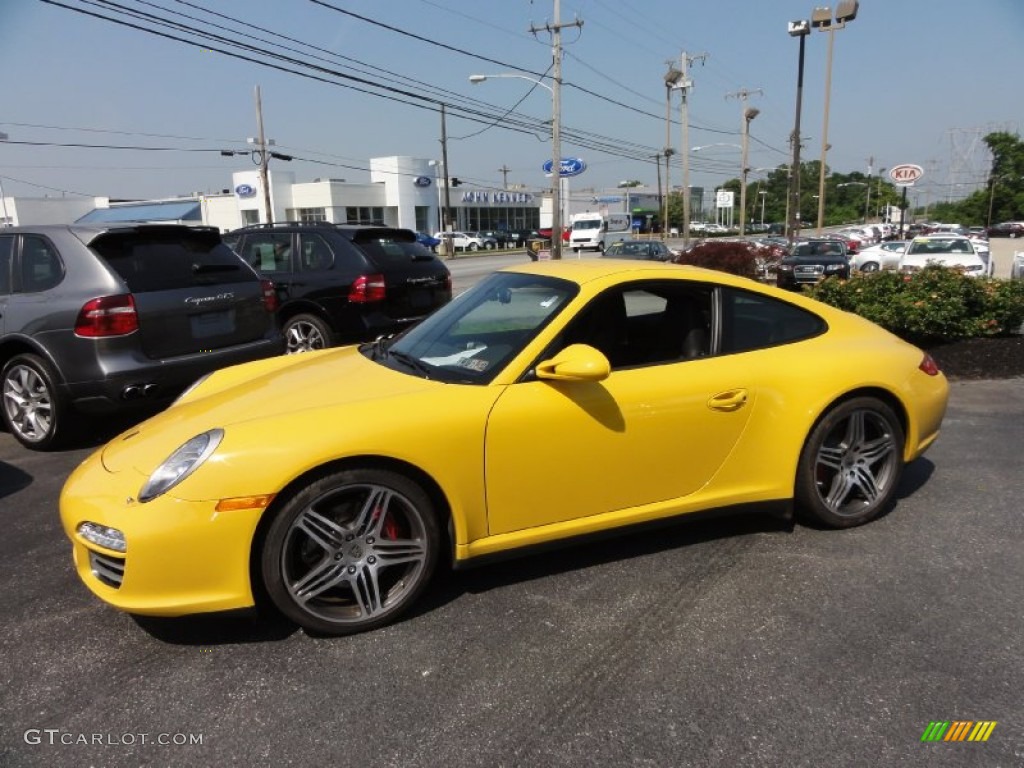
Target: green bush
935, 304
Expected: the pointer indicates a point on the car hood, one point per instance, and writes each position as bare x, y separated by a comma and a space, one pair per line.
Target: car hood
825, 258
284, 387
942, 259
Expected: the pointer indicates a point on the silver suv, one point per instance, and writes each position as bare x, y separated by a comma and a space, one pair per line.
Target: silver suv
109, 318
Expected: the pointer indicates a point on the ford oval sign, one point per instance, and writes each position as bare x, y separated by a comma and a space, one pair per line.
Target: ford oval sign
421, 181
570, 166
245, 190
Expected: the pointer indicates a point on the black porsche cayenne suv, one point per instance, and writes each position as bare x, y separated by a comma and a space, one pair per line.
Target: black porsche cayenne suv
343, 284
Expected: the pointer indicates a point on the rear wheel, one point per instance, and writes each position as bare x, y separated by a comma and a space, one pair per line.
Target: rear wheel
351, 552
303, 333
869, 266
851, 464
33, 410
474, 247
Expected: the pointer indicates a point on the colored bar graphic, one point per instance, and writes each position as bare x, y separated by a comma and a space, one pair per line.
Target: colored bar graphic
958, 730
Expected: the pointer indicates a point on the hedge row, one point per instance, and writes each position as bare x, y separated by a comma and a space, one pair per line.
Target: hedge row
935, 304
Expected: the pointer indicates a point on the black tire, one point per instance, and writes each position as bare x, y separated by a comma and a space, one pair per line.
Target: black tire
851, 464
304, 332
33, 409
869, 266
351, 552
474, 247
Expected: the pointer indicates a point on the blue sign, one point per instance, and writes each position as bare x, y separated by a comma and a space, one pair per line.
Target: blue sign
421, 181
570, 166
608, 199
245, 190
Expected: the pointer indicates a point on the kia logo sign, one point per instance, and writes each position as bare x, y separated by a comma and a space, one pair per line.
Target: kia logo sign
906, 174
421, 181
570, 166
245, 190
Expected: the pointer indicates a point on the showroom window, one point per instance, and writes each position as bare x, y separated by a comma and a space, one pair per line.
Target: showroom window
308, 215
364, 215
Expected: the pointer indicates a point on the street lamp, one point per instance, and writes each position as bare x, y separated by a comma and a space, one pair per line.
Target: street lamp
763, 193
821, 18
556, 149
799, 29
748, 114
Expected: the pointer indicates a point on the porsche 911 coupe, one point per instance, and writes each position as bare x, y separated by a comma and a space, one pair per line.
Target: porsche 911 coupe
551, 401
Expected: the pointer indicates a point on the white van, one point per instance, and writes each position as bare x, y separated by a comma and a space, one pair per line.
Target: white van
595, 231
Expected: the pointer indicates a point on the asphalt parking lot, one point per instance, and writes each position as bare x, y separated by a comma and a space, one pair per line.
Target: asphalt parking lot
733, 642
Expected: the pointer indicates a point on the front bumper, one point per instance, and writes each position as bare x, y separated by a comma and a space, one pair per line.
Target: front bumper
182, 557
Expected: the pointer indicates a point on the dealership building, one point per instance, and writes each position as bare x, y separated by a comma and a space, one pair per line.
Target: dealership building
402, 192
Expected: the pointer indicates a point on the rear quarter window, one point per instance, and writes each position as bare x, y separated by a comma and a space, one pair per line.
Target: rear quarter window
752, 321
147, 263
394, 252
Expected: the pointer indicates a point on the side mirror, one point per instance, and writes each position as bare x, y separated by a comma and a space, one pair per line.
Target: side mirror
578, 362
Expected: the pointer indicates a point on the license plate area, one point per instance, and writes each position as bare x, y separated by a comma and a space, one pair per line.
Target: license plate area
210, 324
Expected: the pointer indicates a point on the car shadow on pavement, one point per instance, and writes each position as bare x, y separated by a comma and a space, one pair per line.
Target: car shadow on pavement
621, 545
12, 479
229, 628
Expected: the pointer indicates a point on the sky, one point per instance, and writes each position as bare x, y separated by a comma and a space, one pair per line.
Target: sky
912, 81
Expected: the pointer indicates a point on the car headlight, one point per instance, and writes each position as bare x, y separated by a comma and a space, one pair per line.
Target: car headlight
785, 267
180, 464
834, 267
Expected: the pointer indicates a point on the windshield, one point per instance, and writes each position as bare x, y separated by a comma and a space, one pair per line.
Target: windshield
473, 337
587, 224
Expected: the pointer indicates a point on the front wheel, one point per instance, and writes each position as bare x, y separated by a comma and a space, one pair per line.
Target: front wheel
351, 552
33, 409
851, 464
869, 266
474, 247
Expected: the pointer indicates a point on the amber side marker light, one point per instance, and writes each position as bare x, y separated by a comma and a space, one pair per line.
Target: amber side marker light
244, 502
929, 366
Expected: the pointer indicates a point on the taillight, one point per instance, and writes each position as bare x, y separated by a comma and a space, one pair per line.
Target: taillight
929, 366
367, 288
269, 295
107, 316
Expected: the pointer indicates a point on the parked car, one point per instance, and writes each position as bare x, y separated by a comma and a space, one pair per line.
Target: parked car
339, 283
1007, 229
469, 241
946, 251
645, 250
547, 402
103, 319
885, 255
811, 261
1017, 267
429, 241
503, 238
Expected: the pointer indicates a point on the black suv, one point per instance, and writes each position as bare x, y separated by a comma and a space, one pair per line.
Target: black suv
343, 284
810, 261
108, 318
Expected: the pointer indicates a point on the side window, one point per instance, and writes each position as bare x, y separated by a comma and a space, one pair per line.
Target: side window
646, 324
6, 252
41, 268
751, 321
268, 252
314, 253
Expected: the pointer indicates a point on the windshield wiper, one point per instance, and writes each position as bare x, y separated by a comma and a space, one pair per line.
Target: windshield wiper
413, 362
380, 346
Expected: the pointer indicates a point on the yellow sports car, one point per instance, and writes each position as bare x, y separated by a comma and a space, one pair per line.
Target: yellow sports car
550, 401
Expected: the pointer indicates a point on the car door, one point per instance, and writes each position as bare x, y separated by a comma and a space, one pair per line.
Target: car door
656, 430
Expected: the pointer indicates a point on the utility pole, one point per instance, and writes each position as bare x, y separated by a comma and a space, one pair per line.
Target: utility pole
261, 143
504, 175
657, 160
749, 113
685, 84
555, 29
446, 227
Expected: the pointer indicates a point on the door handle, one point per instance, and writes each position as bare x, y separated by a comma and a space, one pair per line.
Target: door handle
728, 401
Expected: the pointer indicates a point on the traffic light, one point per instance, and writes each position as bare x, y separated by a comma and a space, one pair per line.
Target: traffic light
454, 182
